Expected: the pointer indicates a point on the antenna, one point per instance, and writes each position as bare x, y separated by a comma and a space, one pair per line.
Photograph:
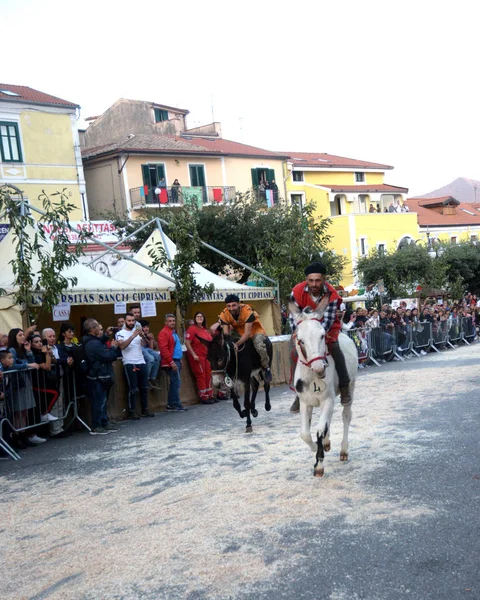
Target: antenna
240, 122
213, 113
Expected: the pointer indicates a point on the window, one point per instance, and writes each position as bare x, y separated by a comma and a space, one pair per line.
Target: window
363, 246
160, 115
453, 239
10, 142
381, 249
474, 238
297, 175
359, 177
297, 199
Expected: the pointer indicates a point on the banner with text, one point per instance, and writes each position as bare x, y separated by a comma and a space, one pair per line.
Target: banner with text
105, 297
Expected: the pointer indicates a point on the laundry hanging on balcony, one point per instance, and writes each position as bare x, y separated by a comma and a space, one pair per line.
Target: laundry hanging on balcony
163, 196
217, 194
269, 196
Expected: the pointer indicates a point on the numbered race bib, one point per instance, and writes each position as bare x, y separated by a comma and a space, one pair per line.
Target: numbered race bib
317, 386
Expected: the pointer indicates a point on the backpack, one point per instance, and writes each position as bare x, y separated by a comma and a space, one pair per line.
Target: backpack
84, 363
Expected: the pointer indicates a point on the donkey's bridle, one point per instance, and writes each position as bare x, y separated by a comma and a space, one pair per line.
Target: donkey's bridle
310, 362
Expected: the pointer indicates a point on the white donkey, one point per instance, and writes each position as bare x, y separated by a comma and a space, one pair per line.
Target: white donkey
316, 380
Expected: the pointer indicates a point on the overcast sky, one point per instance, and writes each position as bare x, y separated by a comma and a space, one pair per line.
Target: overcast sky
390, 81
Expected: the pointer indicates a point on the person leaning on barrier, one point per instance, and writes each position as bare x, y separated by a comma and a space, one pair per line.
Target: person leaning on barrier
22, 398
99, 376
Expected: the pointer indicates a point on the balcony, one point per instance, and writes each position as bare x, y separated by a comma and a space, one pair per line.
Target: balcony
145, 196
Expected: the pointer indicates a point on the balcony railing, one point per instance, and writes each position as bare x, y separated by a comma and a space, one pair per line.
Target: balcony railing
146, 196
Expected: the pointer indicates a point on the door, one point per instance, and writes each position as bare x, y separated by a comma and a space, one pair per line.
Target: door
153, 177
197, 178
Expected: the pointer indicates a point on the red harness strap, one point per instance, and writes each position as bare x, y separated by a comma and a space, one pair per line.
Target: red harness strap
309, 363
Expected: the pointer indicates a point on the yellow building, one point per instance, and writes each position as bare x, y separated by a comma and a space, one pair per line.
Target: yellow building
39, 146
365, 212
135, 152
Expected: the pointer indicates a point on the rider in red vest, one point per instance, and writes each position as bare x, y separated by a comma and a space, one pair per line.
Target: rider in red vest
310, 293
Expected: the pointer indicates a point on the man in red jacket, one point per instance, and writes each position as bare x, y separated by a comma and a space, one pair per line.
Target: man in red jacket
171, 352
310, 293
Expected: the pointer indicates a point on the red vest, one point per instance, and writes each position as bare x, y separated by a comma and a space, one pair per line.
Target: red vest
303, 299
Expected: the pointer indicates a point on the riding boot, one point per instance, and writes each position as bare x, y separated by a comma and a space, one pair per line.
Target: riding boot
343, 378
259, 343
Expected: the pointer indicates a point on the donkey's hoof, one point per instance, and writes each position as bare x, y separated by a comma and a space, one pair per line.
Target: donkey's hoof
243, 414
318, 471
326, 446
268, 407
248, 429
254, 413
344, 456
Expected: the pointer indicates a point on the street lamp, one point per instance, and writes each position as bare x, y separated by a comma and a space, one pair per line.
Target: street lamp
83, 190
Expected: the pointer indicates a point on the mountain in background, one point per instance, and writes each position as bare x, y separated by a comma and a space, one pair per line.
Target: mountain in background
462, 189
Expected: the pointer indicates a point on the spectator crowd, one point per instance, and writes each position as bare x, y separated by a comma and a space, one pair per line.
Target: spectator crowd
394, 332
42, 373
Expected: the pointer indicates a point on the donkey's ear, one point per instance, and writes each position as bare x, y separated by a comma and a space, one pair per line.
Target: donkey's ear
322, 306
294, 311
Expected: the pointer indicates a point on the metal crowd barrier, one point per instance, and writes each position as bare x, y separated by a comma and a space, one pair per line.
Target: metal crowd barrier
468, 330
360, 338
454, 332
439, 334
31, 399
380, 344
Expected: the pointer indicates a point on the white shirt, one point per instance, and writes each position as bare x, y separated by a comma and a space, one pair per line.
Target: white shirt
132, 354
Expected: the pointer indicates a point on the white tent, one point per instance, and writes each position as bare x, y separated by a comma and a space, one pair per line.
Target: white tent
91, 288
136, 275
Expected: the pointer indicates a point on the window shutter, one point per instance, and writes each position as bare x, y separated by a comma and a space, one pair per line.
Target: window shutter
271, 175
254, 178
146, 175
160, 173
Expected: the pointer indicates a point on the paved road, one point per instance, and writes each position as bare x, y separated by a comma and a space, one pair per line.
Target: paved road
186, 506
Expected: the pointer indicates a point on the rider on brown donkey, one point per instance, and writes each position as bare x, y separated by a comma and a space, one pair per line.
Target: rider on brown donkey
242, 319
309, 293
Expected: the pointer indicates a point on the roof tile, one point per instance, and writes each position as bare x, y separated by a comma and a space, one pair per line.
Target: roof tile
165, 144
329, 161
31, 96
428, 216
364, 188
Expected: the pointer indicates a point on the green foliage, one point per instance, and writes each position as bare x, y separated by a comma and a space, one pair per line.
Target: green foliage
278, 241
31, 241
462, 263
455, 269
183, 231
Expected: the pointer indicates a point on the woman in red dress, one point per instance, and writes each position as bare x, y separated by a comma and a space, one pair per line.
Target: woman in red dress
196, 340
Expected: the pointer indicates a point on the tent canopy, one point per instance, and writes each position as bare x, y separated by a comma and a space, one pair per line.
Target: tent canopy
91, 287
135, 275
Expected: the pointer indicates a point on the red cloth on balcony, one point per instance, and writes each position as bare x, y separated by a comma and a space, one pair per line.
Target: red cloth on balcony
217, 194
145, 190
163, 196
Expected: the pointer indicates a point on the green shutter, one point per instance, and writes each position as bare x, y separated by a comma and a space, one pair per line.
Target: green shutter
271, 175
146, 175
254, 178
160, 174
